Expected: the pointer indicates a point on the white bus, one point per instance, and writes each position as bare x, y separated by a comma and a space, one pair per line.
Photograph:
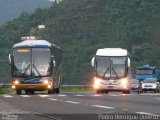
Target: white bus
111, 66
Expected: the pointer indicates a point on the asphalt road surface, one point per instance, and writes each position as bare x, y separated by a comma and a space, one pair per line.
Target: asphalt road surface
78, 106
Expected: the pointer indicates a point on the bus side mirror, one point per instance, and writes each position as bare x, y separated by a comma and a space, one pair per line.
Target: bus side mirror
53, 61
141, 82
93, 61
129, 62
10, 59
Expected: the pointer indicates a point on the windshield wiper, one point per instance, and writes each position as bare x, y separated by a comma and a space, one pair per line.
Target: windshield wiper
36, 70
26, 70
115, 72
105, 72
110, 73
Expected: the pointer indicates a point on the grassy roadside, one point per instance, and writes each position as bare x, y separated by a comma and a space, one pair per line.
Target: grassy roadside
6, 91
77, 89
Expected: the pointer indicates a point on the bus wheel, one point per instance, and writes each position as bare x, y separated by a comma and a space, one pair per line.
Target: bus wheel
99, 91
18, 92
57, 90
126, 92
26, 91
50, 91
106, 91
31, 91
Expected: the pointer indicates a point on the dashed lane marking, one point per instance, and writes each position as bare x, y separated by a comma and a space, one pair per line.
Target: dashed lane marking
79, 95
73, 102
114, 94
43, 96
62, 95
7, 96
54, 99
151, 94
25, 96
96, 95
100, 106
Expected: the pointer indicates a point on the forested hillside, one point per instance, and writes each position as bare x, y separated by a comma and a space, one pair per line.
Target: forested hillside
80, 27
10, 9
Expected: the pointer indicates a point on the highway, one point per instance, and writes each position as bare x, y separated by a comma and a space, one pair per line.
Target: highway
82, 105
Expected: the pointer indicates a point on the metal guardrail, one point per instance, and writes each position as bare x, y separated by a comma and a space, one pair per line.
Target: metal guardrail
77, 86
6, 86
62, 86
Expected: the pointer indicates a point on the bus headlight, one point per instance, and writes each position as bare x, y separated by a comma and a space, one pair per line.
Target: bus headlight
96, 83
45, 81
16, 82
49, 86
13, 86
124, 83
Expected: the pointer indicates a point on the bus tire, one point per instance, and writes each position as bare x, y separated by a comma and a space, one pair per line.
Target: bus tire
18, 92
50, 91
98, 91
31, 91
57, 90
27, 92
128, 91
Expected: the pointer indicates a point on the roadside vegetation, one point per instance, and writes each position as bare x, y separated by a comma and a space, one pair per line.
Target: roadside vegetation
9, 91
80, 27
6, 91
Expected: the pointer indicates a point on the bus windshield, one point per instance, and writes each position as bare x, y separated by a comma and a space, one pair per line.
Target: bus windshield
111, 67
41, 61
33, 62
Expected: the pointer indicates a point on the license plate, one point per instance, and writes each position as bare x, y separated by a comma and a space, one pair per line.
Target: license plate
110, 86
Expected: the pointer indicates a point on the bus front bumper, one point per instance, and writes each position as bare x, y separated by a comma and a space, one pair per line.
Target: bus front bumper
38, 87
112, 87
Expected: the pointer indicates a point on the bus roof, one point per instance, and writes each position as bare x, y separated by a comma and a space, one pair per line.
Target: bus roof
112, 52
32, 43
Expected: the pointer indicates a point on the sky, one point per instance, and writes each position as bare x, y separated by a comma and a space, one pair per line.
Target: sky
11, 9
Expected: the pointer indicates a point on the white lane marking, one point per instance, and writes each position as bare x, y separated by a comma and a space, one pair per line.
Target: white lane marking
114, 94
158, 98
43, 96
145, 113
54, 99
100, 106
96, 95
79, 95
8, 96
143, 94
127, 94
73, 102
25, 96
125, 109
62, 95
154, 94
